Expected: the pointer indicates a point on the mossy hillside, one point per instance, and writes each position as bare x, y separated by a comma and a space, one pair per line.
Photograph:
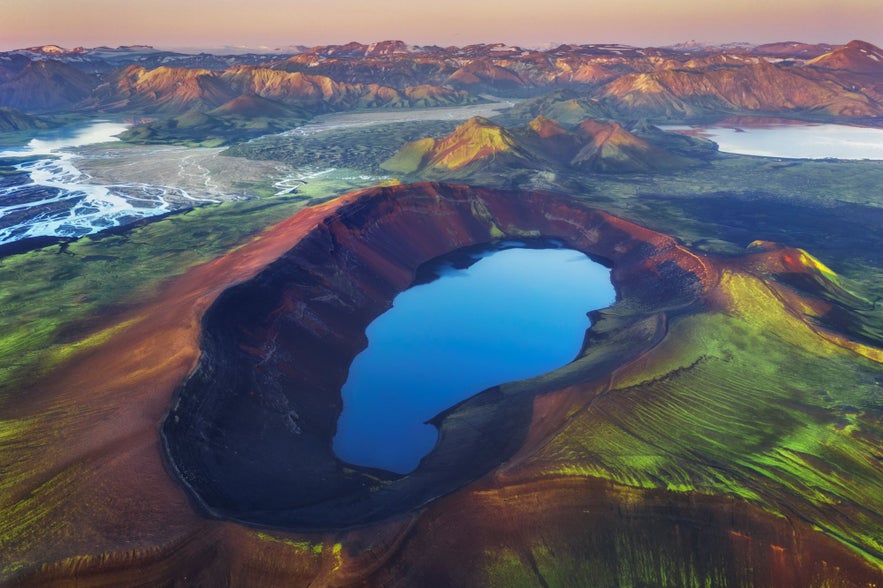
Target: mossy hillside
747, 402
579, 560
355, 148
51, 297
482, 148
410, 157
213, 129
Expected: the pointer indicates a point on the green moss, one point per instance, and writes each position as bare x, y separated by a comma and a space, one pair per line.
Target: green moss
626, 560
751, 404
298, 546
50, 295
409, 158
361, 149
198, 129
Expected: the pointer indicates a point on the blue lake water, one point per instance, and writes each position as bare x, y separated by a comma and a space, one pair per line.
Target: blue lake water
515, 313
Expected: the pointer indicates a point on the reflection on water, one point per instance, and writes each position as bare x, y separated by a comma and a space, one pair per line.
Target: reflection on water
792, 140
514, 314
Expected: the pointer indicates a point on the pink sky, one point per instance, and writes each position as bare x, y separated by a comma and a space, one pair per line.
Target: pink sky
276, 23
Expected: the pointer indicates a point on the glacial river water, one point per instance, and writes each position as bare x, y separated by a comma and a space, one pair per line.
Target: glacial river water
515, 313
58, 199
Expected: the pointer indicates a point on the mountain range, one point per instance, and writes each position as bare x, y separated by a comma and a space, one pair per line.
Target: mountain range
791, 78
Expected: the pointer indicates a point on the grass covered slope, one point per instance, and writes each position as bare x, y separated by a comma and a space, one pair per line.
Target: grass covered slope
15, 120
481, 146
474, 142
54, 294
241, 118
746, 401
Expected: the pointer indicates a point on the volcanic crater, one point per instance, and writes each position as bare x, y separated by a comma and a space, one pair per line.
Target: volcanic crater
250, 433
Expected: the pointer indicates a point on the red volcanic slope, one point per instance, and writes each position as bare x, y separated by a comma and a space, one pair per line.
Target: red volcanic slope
855, 56
93, 502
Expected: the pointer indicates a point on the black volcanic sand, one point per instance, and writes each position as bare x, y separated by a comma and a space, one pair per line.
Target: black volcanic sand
250, 433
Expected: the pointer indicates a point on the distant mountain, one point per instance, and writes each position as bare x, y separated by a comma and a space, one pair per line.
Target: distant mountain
478, 67
361, 50
855, 56
175, 90
326, 94
46, 86
55, 50
480, 145
387, 48
568, 107
198, 107
608, 147
253, 106
100, 60
700, 47
792, 49
166, 89
760, 87
682, 83
486, 74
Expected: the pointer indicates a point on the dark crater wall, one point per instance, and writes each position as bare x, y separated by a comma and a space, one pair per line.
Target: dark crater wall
251, 429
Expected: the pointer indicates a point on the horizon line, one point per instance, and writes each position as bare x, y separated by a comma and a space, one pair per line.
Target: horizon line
541, 46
